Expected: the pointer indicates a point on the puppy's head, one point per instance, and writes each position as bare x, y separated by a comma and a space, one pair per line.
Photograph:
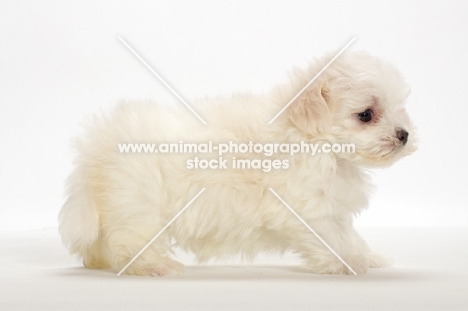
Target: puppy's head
359, 100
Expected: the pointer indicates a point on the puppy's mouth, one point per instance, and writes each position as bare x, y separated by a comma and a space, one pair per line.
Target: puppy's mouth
385, 149
398, 144
391, 147
387, 152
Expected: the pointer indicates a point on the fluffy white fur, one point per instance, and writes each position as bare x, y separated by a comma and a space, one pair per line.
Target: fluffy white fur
117, 202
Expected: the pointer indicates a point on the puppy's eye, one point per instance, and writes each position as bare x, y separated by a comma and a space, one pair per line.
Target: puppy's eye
366, 116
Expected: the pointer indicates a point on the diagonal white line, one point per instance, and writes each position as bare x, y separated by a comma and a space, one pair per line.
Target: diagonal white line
162, 80
313, 79
160, 232
313, 231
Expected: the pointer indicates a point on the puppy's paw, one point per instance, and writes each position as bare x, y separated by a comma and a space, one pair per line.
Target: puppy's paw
334, 266
163, 266
357, 262
173, 269
377, 261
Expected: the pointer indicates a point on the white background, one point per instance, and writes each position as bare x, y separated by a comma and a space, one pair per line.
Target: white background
61, 62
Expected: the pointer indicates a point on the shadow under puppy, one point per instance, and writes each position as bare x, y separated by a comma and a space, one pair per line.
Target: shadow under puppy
117, 202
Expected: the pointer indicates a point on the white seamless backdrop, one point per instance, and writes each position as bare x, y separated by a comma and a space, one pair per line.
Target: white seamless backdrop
62, 61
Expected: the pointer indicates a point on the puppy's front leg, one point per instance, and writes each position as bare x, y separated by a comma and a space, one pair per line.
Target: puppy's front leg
340, 236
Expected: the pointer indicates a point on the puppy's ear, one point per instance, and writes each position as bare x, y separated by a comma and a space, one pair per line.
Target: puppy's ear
311, 111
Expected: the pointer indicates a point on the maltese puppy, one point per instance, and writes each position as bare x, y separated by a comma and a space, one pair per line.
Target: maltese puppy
118, 201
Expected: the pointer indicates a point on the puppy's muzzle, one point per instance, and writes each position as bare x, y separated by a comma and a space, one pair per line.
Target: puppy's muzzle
402, 136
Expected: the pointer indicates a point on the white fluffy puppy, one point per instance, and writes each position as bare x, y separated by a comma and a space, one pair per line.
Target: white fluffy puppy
117, 202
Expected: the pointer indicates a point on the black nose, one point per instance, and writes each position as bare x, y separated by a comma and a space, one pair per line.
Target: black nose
402, 135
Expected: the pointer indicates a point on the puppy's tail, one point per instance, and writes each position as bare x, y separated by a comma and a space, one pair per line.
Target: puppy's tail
79, 218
